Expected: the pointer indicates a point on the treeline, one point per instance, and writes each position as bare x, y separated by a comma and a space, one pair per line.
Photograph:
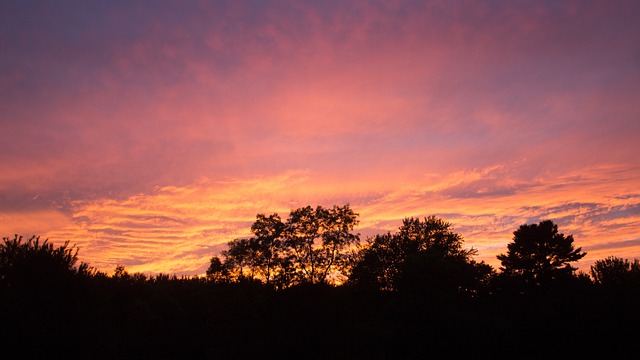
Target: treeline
306, 286
318, 246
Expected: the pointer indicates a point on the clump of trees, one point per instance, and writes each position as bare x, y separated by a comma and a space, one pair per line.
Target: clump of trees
314, 245
421, 255
318, 246
616, 272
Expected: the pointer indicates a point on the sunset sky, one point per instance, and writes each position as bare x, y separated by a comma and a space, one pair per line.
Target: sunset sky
150, 133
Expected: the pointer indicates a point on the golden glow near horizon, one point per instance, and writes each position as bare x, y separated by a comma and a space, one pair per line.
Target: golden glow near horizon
177, 229
155, 145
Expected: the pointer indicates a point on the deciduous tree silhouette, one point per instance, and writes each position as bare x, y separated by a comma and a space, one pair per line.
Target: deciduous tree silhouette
318, 241
540, 255
615, 271
218, 271
267, 245
310, 247
423, 255
241, 258
256, 257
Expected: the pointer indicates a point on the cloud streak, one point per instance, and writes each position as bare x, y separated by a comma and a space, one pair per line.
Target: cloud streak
176, 229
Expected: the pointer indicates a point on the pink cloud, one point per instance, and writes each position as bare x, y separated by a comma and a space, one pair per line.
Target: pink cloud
490, 114
177, 228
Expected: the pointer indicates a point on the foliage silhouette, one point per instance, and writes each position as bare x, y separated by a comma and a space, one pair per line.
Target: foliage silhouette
314, 262
615, 271
268, 245
539, 255
37, 263
423, 255
124, 315
218, 271
312, 246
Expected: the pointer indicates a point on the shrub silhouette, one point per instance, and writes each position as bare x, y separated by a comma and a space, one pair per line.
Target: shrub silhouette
37, 263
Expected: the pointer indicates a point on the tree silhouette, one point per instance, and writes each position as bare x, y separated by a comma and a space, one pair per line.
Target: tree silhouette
314, 261
312, 246
540, 255
256, 257
241, 258
378, 264
218, 270
615, 271
267, 244
422, 255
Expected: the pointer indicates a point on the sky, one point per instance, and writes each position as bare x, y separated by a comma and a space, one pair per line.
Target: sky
151, 133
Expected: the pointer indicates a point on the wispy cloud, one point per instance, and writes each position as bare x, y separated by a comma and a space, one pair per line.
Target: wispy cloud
177, 229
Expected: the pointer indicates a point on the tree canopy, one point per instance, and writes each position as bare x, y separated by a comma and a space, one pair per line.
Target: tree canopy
539, 254
314, 245
423, 254
615, 271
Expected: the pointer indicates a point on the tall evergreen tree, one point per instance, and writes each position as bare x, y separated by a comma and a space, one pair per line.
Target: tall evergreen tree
539, 254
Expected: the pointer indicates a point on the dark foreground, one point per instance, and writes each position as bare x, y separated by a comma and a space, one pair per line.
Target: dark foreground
193, 318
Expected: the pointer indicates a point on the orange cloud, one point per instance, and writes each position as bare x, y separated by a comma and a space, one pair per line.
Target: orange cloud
176, 229
489, 115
